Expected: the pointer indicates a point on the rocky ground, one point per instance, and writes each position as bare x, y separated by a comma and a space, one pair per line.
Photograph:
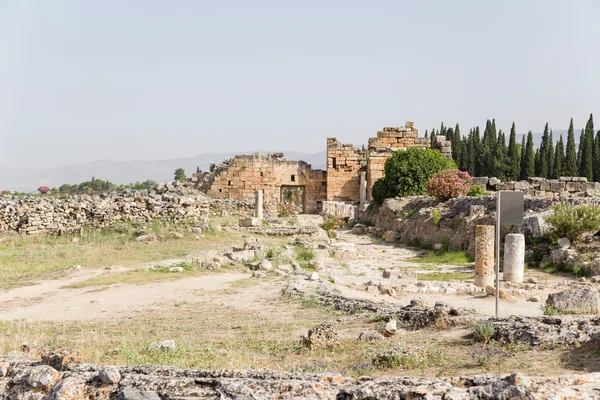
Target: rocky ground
252, 311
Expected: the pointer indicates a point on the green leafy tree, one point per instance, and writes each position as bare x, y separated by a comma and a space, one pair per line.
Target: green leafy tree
513, 155
571, 164
407, 172
179, 174
559, 159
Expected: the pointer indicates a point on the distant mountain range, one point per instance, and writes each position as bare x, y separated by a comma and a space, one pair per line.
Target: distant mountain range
122, 172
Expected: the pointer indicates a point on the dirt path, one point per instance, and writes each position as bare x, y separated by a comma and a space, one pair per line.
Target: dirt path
50, 300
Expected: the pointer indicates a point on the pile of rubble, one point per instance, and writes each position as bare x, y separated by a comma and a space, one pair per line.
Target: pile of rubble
547, 331
20, 380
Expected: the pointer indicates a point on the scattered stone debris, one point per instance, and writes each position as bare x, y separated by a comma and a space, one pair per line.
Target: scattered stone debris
575, 301
417, 315
109, 375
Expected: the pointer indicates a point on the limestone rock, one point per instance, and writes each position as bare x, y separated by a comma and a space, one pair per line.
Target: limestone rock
109, 375
265, 265
370, 336
506, 295
211, 265
323, 336
176, 235
135, 394
390, 237
249, 222
390, 328
535, 298
147, 238
69, 389
61, 357
575, 301
176, 269
564, 243
314, 276
258, 274
163, 345
490, 290
42, 377
359, 229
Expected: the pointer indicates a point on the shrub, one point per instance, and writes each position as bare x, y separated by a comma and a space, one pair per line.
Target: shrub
331, 222
571, 221
448, 184
304, 254
477, 190
407, 172
486, 358
483, 331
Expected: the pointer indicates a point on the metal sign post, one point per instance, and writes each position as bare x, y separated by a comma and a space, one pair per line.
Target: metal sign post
509, 211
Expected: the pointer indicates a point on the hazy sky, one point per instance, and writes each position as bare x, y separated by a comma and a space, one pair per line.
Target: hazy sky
87, 80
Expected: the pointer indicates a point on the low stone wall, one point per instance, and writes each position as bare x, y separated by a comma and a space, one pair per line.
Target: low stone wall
174, 202
564, 187
340, 209
30, 380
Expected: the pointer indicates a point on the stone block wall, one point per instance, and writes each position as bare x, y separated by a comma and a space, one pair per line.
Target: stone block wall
344, 162
564, 187
242, 176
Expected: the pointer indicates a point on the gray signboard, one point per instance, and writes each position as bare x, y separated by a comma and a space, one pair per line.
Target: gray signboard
511, 207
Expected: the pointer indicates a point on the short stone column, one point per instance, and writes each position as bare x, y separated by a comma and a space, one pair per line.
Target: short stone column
484, 255
258, 205
363, 188
514, 257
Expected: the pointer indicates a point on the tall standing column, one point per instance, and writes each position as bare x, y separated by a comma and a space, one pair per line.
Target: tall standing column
363, 187
258, 205
484, 255
514, 257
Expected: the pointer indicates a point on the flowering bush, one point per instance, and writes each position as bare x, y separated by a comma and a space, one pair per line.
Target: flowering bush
331, 222
5, 193
287, 210
449, 184
43, 189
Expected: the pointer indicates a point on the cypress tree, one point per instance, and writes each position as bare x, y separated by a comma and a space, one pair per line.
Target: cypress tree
550, 157
570, 165
541, 166
597, 158
426, 133
587, 156
522, 172
580, 153
537, 163
502, 166
559, 159
513, 155
456, 149
529, 161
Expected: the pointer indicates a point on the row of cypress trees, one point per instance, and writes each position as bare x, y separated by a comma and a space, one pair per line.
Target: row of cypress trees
490, 155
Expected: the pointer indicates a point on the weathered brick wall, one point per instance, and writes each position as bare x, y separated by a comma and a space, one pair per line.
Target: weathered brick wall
344, 162
385, 144
244, 175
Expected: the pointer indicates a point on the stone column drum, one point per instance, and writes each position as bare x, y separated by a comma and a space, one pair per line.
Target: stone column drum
258, 206
363, 188
514, 257
484, 255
